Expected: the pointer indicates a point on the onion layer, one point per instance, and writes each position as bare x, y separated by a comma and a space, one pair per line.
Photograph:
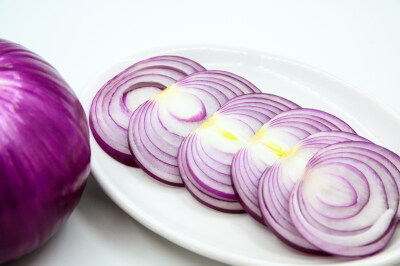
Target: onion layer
119, 97
205, 155
347, 200
270, 143
158, 127
277, 182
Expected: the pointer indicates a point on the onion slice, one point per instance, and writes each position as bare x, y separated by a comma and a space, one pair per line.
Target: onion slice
158, 126
270, 143
277, 182
347, 199
205, 155
120, 96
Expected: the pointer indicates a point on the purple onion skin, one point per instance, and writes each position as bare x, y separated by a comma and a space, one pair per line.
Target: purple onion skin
44, 151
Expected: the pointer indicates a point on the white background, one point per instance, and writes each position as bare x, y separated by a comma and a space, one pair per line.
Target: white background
357, 41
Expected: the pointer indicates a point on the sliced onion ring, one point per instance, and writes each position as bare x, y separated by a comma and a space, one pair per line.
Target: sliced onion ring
277, 182
157, 127
347, 200
119, 97
271, 142
205, 155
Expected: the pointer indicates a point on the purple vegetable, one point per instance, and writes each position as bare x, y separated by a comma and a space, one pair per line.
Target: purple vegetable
205, 156
44, 155
119, 97
347, 200
277, 182
270, 143
158, 127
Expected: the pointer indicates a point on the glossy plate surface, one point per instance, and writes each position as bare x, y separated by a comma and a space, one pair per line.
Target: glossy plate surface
238, 239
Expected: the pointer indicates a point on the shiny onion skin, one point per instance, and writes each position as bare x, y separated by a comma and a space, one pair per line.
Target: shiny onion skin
44, 151
157, 128
347, 200
278, 181
115, 102
205, 156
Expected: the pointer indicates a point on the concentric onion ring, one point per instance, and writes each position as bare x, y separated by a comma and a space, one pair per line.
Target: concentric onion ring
119, 97
206, 154
277, 182
347, 200
158, 127
271, 142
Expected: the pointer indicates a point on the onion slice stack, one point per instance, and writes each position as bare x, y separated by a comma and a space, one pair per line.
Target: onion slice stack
270, 143
278, 181
158, 127
206, 154
347, 200
119, 97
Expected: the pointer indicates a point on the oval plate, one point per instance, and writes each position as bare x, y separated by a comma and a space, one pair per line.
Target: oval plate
237, 239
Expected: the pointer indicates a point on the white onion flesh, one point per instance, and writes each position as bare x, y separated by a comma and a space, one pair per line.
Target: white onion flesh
270, 143
158, 127
278, 181
205, 155
119, 97
347, 200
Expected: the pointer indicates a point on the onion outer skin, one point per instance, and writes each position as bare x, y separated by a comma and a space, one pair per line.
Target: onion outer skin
45, 152
157, 127
204, 163
357, 224
109, 114
277, 182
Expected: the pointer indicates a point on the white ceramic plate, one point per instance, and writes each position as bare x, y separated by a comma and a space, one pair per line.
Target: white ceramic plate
237, 239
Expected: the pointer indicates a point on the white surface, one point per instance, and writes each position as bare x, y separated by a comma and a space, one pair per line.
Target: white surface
355, 40
237, 239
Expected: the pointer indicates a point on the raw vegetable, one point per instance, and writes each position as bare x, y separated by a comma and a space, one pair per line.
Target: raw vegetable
205, 155
158, 126
120, 96
323, 189
44, 151
277, 182
347, 200
270, 143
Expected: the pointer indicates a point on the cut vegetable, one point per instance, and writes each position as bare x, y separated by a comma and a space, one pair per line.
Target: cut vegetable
271, 142
157, 127
277, 182
347, 200
205, 155
119, 97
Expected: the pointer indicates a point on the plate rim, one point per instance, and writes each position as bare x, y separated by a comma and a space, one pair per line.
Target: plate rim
178, 238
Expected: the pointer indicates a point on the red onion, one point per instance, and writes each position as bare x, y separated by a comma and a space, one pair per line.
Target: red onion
277, 182
347, 200
120, 96
44, 154
157, 127
271, 142
205, 155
